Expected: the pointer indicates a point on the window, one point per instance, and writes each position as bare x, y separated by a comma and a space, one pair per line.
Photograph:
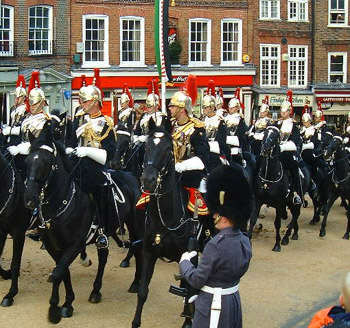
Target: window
269, 65
40, 30
297, 66
337, 63
298, 10
199, 42
132, 48
269, 9
6, 31
338, 12
231, 42
95, 38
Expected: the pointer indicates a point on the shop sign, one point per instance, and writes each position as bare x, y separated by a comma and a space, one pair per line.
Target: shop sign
334, 99
278, 99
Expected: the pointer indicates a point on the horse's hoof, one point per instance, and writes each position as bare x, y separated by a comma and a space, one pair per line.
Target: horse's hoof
187, 325
322, 233
5, 274
95, 298
285, 241
134, 288
67, 311
7, 301
277, 248
295, 236
124, 264
54, 314
346, 236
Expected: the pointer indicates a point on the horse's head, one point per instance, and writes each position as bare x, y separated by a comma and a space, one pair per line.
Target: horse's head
332, 147
40, 164
270, 141
122, 145
158, 155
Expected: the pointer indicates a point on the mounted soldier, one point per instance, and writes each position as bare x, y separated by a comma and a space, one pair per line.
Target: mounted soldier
256, 131
94, 146
126, 114
220, 103
290, 146
17, 115
324, 135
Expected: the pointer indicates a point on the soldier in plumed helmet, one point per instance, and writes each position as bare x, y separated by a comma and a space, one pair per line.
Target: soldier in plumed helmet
323, 133
95, 146
226, 257
126, 114
219, 103
17, 114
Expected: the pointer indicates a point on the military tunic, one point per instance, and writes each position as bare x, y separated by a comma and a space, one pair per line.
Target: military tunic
17, 116
256, 134
224, 261
126, 118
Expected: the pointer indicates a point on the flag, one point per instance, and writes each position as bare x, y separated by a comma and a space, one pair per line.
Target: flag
161, 25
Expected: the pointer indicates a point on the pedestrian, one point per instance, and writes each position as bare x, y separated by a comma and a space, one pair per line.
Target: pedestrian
337, 313
226, 257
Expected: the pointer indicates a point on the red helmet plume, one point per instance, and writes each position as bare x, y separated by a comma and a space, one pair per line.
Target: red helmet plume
319, 107
83, 81
127, 91
266, 100
34, 81
290, 99
238, 96
21, 82
211, 88
190, 88
97, 80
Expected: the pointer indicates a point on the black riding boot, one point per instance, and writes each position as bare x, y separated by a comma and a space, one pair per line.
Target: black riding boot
101, 239
297, 188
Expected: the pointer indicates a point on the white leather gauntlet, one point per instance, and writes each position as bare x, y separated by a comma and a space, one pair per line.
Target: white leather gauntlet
194, 163
98, 155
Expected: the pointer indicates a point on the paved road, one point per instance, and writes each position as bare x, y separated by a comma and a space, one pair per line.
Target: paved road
280, 290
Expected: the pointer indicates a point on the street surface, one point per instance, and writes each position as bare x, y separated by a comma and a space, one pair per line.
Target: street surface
280, 290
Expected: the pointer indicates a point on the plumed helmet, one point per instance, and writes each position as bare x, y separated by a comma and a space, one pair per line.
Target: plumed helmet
36, 94
318, 114
208, 101
219, 100
91, 92
234, 102
306, 117
124, 98
229, 194
264, 108
152, 100
179, 99
21, 87
286, 106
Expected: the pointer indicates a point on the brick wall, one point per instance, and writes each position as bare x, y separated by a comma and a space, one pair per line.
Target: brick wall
61, 36
180, 14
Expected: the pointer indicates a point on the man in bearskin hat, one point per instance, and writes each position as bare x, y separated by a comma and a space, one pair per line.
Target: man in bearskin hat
226, 257
95, 146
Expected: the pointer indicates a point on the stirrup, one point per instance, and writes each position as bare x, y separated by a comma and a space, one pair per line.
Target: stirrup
101, 240
296, 199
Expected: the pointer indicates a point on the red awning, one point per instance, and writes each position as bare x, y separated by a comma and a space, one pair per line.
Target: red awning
117, 82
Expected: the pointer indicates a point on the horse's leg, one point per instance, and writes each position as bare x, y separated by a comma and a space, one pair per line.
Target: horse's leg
254, 217
149, 261
67, 308
54, 310
95, 296
294, 223
5, 274
18, 243
330, 202
317, 211
84, 259
137, 252
277, 247
346, 235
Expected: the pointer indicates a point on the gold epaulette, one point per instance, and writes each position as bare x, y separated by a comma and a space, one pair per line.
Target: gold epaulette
183, 129
197, 123
110, 124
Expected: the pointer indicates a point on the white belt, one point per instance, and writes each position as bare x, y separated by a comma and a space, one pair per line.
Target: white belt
216, 303
236, 151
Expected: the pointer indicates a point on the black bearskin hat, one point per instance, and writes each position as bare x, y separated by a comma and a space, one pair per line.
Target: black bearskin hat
229, 194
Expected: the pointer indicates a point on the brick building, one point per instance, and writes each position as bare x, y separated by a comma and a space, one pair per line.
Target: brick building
35, 35
117, 36
331, 73
281, 46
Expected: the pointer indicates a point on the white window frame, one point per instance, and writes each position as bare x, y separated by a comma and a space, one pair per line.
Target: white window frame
141, 62
208, 61
237, 62
298, 59
298, 9
268, 17
105, 62
346, 10
278, 46
345, 64
9, 53
49, 51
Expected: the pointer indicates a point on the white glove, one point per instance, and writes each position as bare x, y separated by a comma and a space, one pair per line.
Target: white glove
23, 149
98, 155
346, 140
214, 147
13, 150
188, 256
142, 138
192, 299
309, 145
6, 130
232, 140
69, 150
288, 146
194, 163
15, 131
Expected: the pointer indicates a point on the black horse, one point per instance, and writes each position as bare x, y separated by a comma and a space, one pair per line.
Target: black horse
339, 181
273, 187
14, 221
66, 215
168, 225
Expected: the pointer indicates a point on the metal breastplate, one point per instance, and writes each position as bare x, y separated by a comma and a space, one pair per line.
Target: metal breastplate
286, 129
211, 126
33, 125
17, 114
157, 118
181, 142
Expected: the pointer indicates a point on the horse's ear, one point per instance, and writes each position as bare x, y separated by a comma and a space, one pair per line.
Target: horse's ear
151, 125
167, 124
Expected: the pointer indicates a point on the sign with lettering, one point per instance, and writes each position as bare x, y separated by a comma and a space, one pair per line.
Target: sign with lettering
278, 99
334, 99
